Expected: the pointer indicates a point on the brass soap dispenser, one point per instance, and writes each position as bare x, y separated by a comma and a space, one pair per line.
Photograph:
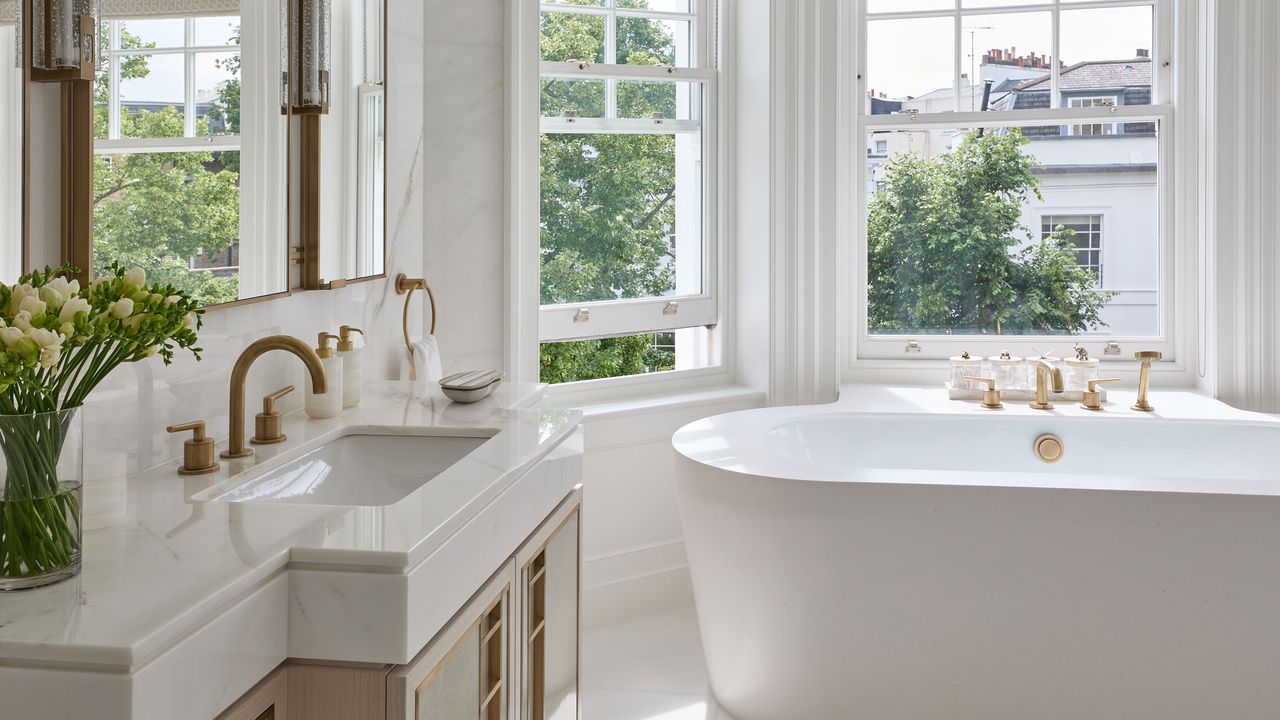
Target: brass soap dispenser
328, 404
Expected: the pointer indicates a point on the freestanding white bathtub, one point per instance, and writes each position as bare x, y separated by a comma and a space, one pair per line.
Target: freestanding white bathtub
929, 567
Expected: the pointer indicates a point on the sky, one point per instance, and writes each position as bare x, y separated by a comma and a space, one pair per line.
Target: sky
916, 56
166, 79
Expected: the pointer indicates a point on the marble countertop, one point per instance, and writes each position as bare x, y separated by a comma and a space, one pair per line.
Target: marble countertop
172, 562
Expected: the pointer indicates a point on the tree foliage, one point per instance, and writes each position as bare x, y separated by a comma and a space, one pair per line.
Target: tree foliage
947, 250
159, 210
608, 201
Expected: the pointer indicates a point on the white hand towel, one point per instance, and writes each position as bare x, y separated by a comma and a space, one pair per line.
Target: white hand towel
424, 367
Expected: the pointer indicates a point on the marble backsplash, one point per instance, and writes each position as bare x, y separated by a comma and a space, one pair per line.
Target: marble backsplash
126, 417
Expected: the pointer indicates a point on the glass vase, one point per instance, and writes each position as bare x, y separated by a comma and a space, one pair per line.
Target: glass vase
40, 498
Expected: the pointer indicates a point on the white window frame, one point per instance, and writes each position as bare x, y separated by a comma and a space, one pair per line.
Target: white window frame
1107, 128
190, 142
881, 352
613, 318
1056, 214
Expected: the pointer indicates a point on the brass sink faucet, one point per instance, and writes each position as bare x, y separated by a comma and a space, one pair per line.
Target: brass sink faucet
235, 447
1044, 371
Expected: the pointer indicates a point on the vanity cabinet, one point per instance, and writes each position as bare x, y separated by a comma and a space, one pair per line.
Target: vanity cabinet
465, 672
511, 653
549, 567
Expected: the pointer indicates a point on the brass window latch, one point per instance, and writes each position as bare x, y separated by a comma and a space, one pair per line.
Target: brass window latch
197, 453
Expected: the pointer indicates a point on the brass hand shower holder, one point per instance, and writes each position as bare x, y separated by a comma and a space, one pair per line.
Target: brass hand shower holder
406, 286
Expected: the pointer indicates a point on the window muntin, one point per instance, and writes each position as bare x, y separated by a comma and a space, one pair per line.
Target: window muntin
1085, 232
627, 148
1026, 83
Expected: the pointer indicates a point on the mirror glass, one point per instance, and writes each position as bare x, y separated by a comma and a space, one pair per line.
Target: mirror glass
11, 144
190, 163
352, 168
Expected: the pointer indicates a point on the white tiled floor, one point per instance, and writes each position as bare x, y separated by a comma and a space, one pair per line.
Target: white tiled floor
650, 668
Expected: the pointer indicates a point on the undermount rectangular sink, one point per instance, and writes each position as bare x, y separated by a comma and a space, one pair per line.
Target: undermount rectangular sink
363, 468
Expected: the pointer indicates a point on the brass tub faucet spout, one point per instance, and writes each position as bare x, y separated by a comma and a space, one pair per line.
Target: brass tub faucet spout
1044, 371
235, 447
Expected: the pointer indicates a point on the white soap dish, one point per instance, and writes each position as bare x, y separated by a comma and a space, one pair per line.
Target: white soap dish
471, 386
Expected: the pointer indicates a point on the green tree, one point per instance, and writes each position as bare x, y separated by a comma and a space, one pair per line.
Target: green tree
947, 251
159, 210
607, 203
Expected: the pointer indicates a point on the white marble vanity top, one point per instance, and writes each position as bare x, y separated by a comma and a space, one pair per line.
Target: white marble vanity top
173, 563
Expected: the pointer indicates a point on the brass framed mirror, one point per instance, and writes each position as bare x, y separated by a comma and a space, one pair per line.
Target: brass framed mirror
231, 148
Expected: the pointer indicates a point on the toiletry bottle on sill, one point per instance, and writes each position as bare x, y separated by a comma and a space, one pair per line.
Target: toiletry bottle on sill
352, 366
327, 404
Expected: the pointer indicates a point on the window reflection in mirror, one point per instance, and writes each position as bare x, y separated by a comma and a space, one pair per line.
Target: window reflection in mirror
352, 165
11, 143
191, 151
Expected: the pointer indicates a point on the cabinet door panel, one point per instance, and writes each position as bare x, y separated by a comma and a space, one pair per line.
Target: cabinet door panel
453, 690
550, 564
463, 673
560, 676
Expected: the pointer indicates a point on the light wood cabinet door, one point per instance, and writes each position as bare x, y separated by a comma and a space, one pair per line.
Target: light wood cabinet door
550, 567
464, 673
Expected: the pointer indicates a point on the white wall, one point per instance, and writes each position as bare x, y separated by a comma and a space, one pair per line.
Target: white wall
465, 180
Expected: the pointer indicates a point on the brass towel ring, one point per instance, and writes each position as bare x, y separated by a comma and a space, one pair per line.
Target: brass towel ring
406, 284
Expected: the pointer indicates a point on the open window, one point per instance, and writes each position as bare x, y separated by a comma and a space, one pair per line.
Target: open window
627, 236
1001, 140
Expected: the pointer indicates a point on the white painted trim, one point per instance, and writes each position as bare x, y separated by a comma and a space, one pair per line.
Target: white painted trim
1241, 213
522, 281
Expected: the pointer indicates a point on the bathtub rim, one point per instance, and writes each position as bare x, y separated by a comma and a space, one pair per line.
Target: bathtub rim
749, 428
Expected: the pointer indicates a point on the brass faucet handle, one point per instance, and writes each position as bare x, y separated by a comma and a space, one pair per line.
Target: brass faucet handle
197, 453
990, 396
1091, 399
268, 425
269, 402
1093, 384
196, 428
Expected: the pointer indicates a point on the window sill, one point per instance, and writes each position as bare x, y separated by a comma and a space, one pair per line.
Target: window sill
672, 393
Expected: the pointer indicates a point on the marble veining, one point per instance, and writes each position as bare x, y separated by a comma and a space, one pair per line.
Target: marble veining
172, 562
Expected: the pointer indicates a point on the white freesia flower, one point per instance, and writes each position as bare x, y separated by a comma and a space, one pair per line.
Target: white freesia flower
153, 351
189, 320
173, 299
10, 336
45, 338
135, 278
59, 290
20, 293
32, 305
50, 356
72, 308
122, 308
51, 297
22, 320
